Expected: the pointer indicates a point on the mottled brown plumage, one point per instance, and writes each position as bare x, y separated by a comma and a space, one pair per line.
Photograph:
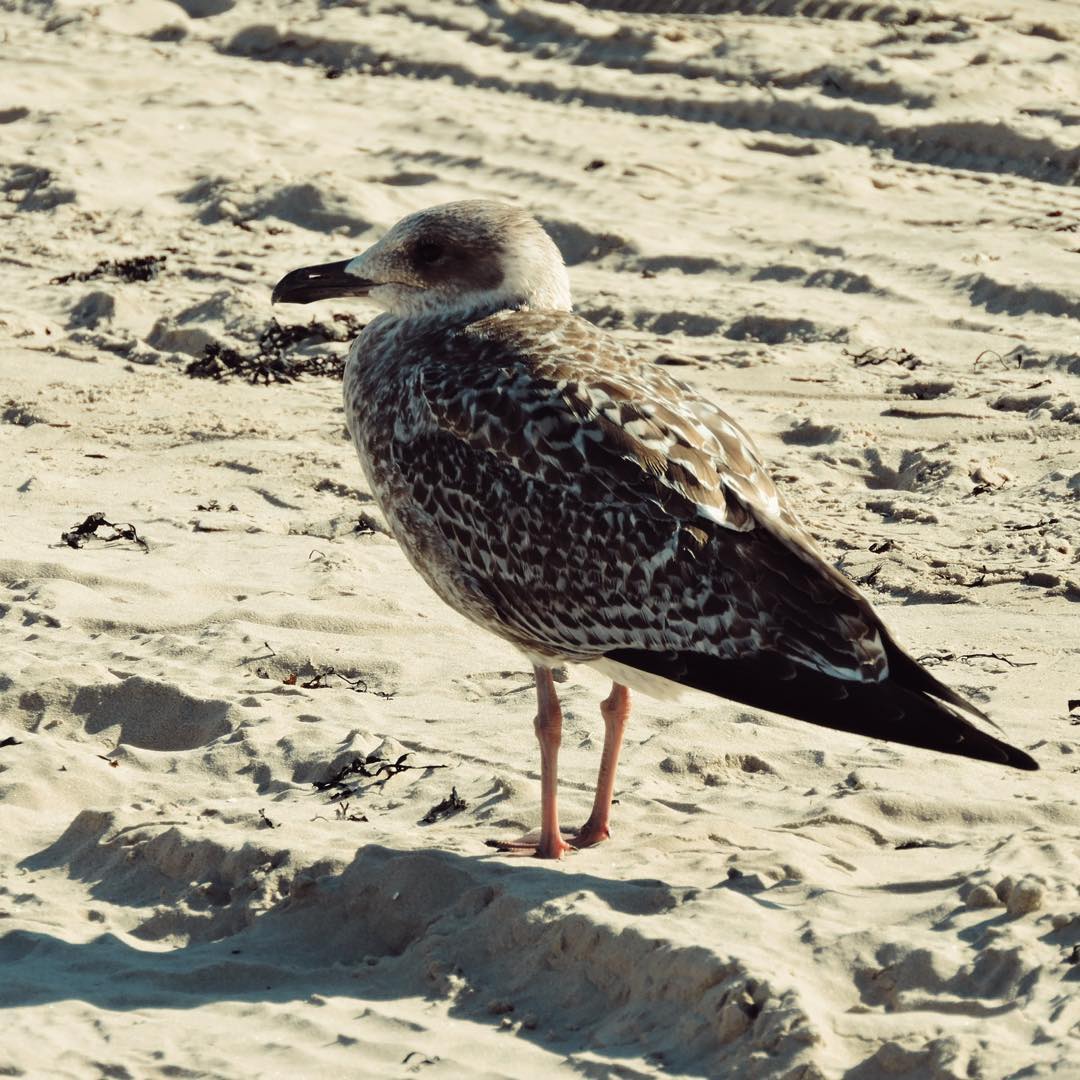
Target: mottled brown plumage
591, 509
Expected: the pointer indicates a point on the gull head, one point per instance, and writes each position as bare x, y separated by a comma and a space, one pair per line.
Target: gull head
461, 259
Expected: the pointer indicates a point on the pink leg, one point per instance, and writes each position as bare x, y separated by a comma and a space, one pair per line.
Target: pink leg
548, 726
549, 732
615, 710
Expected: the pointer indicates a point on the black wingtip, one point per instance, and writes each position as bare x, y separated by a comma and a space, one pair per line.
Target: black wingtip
981, 746
907, 671
1019, 760
894, 710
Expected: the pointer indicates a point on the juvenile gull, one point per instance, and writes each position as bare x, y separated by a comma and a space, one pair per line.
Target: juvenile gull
591, 510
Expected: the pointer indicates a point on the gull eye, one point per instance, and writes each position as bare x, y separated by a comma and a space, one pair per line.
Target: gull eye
428, 252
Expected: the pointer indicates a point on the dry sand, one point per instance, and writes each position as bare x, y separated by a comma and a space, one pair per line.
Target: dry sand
856, 225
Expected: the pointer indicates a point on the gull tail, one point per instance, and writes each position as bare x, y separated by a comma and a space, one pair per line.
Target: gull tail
910, 706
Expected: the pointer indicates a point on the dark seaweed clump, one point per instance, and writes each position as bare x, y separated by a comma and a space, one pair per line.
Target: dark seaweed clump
141, 268
270, 361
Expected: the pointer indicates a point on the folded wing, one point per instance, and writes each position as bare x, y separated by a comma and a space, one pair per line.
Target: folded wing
607, 511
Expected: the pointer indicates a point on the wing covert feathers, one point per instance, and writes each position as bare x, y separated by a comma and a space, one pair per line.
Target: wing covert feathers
563, 402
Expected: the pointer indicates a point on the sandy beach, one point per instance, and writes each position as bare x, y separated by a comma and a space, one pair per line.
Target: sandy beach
249, 762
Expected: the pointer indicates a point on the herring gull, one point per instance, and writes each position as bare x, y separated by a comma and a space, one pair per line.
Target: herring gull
589, 509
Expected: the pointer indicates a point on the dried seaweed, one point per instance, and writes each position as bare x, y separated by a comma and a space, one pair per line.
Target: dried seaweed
870, 577
452, 804
1042, 524
884, 355
319, 681
1016, 354
270, 362
947, 657
140, 268
369, 768
79, 535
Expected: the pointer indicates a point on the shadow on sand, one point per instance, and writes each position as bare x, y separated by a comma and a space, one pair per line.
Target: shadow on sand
580, 954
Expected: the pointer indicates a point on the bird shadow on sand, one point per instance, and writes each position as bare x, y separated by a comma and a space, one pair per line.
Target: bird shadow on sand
572, 959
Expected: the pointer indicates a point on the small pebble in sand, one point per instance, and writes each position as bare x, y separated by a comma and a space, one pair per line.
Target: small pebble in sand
806, 432
1026, 895
982, 896
1003, 888
988, 477
732, 1021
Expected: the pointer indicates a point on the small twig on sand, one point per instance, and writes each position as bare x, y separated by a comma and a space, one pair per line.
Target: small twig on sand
341, 813
945, 658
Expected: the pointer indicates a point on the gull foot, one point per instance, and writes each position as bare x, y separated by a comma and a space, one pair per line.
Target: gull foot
590, 834
534, 844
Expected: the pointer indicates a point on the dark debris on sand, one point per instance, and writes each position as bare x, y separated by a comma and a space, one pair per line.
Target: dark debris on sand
79, 535
140, 268
370, 768
452, 804
892, 354
320, 680
271, 362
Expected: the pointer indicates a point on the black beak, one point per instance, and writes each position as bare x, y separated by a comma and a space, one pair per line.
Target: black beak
311, 283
